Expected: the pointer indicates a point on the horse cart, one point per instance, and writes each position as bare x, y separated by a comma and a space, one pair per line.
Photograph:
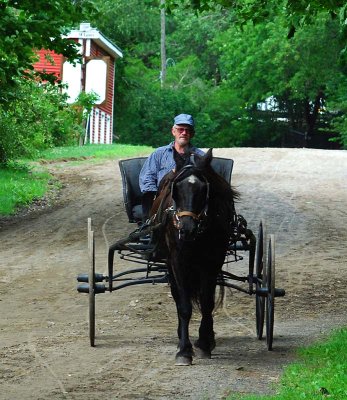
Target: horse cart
152, 263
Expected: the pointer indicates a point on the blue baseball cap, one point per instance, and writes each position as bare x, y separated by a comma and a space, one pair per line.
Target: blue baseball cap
184, 119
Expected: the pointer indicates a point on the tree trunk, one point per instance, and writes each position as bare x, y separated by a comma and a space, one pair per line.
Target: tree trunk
311, 115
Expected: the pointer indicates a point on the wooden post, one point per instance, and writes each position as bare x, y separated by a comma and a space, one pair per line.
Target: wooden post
162, 43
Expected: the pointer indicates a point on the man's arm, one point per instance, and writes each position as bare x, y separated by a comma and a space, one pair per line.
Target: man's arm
148, 179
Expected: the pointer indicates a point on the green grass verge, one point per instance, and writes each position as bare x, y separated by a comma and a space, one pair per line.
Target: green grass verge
93, 151
22, 184
320, 373
20, 187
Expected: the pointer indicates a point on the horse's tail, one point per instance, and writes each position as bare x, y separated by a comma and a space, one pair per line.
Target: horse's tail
220, 299
218, 293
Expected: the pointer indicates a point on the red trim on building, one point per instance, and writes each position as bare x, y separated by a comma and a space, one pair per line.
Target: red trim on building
50, 63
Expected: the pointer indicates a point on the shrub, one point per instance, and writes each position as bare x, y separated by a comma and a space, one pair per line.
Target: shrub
37, 118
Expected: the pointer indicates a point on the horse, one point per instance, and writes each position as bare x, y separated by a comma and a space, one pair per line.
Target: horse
196, 208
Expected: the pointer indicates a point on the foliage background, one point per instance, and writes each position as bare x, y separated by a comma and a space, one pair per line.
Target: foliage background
224, 60
251, 73
34, 116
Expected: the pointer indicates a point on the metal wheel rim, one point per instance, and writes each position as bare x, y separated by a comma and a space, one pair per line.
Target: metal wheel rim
260, 274
91, 280
270, 299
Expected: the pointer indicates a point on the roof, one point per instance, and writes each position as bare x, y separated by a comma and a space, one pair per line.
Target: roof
87, 32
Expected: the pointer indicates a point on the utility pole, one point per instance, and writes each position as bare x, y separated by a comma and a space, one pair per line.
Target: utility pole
162, 43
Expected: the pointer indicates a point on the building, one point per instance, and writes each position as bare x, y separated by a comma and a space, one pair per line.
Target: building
95, 74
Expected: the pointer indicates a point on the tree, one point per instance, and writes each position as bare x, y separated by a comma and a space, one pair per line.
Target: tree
299, 12
38, 117
28, 25
142, 107
133, 24
260, 62
225, 58
33, 114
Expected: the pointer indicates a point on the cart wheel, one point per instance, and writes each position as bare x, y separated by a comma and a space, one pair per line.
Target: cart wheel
91, 281
270, 299
260, 270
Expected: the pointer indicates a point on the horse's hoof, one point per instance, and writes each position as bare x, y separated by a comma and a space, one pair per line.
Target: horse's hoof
203, 354
183, 361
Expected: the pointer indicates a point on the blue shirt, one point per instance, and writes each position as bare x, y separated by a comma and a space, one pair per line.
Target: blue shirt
157, 165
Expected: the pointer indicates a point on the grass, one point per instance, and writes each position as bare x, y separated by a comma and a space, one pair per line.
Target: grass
22, 183
20, 187
97, 152
320, 373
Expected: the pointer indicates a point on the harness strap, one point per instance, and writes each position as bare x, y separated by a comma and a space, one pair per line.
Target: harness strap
188, 214
161, 214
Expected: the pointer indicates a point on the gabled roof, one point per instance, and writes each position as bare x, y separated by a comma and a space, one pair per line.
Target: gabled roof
87, 32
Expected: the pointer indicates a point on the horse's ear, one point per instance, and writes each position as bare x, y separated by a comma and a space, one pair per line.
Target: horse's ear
179, 160
208, 156
203, 161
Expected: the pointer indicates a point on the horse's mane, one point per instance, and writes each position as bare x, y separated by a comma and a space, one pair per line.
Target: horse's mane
219, 187
222, 198
163, 197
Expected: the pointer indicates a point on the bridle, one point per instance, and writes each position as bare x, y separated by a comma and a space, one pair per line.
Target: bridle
177, 214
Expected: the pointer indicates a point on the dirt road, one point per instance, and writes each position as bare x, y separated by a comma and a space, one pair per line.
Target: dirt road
44, 347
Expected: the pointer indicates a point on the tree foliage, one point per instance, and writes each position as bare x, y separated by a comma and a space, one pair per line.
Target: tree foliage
33, 115
300, 12
225, 59
38, 117
26, 26
261, 62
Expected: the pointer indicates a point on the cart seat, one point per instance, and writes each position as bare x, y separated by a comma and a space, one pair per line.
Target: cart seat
223, 167
130, 171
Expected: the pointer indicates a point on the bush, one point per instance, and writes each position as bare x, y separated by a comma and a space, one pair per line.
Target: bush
36, 119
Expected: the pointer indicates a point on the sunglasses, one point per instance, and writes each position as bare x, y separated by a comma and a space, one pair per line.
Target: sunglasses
181, 130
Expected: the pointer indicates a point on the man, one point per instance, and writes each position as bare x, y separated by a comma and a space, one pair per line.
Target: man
161, 161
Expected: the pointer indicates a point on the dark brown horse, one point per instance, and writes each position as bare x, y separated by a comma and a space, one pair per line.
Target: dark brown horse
196, 206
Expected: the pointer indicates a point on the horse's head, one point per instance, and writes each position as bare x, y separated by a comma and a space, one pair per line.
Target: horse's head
190, 194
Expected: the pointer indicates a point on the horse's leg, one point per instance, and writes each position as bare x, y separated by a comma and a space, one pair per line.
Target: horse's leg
184, 355
184, 310
206, 342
